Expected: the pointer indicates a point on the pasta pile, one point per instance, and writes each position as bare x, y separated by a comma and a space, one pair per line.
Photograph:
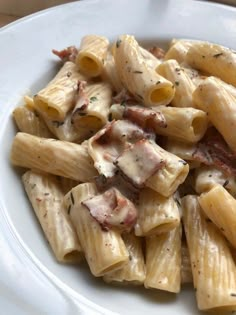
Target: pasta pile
130, 156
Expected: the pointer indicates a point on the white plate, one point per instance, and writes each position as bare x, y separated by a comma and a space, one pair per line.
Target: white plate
31, 281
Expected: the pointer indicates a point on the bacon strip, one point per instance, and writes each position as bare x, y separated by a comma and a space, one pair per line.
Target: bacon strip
81, 101
67, 54
112, 209
108, 144
146, 118
139, 162
213, 150
158, 52
124, 97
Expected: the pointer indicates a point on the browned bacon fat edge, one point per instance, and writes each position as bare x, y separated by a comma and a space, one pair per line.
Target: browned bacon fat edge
67, 54
146, 118
158, 52
124, 97
112, 209
213, 150
81, 100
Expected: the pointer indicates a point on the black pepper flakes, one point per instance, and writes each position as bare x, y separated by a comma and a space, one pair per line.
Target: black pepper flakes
72, 198
217, 55
93, 99
118, 42
140, 96
226, 183
110, 117
183, 162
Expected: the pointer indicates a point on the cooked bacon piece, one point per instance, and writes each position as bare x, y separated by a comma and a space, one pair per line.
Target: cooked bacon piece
145, 117
108, 143
213, 150
127, 132
67, 54
119, 182
158, 52
81, 101
112, 209
124, 97
139, 162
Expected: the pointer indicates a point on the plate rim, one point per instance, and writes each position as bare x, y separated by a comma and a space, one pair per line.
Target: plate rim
4, 114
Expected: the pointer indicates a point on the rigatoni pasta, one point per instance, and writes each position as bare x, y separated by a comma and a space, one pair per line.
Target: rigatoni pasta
163, 261
143, 82
46, 197
214, 59
214, 272
184, 124
220, 207
167, 179
92, 108
27, 120
157, 214
92, 53
184, 87
134, 271
186, 271
206, 177
220, 107
178, 50
105, 251
50, 155
114, 142
57, 98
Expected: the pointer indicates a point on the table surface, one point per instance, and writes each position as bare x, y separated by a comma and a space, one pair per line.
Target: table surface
6, 19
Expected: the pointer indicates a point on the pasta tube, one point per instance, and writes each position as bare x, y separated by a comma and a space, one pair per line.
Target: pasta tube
206, 177
184, 86
65, 130
29, 121
214, 272
213, 59
178, 50
150, 60
220, 106
168, 178
104, 251
220, 207
110, 74
62, 130
46, 197
92, 110
92, 53
57, 98
184, 150
198, 79
143, 82
185, 124
156, 214
186, 271
29, 102
163, 261
53, 156
134, 271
